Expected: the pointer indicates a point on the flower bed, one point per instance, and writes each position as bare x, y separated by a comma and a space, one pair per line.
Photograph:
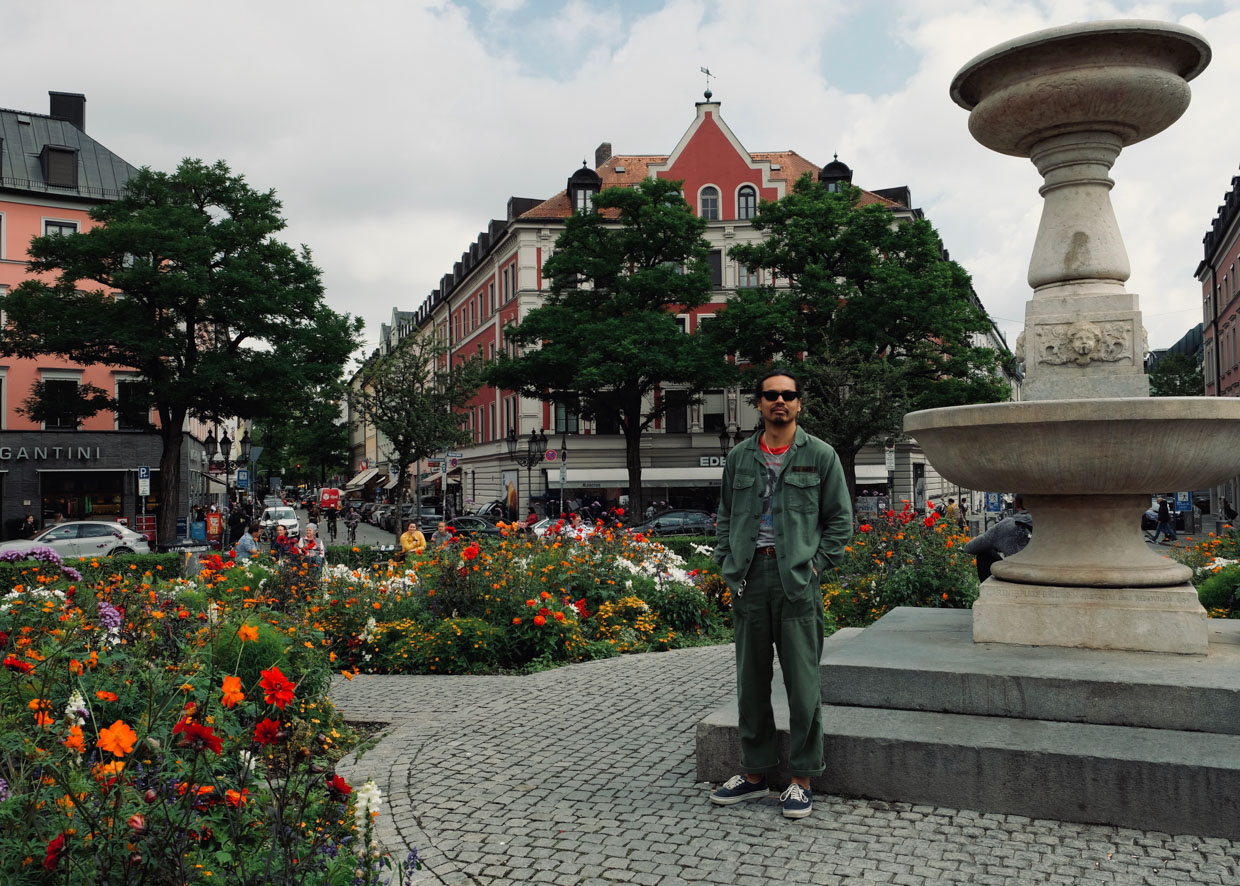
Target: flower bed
1215, 561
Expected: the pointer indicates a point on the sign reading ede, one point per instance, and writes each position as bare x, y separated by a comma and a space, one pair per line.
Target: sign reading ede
711, 461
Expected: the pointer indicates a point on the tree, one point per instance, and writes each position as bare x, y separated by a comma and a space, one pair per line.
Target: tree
411, 396
311, 434
1177, 375
605, 340
192, 290
876, 317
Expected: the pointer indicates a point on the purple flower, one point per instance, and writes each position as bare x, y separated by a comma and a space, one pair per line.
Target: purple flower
109, 616
71, 572
4, 790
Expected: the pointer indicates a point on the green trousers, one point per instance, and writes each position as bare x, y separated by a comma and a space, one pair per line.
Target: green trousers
766, 621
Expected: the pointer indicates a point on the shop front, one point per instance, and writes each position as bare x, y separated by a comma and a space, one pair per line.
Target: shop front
82, 476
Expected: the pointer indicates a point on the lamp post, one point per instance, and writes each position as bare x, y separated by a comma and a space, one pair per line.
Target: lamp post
563, 467
224, 447
534, 449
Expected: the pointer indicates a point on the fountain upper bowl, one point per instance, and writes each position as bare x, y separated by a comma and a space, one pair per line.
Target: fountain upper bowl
1083, 447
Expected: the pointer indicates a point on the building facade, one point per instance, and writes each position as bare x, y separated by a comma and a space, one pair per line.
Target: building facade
51, 174
498, 280
1220, 327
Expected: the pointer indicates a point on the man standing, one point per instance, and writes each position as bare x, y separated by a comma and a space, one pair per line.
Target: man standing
784, 517
1166, 523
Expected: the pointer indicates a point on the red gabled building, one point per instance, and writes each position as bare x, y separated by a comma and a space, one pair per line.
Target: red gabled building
498, 280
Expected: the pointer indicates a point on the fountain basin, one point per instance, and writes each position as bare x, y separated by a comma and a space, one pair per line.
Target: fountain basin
1128, 78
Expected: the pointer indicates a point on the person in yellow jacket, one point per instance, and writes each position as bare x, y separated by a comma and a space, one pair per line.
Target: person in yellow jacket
412, 541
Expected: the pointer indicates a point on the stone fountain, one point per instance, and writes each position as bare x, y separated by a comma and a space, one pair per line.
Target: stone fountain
1055, 696
1088, 445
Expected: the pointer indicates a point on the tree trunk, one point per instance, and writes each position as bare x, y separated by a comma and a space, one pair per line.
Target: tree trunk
848, 461
169, 474
633, 461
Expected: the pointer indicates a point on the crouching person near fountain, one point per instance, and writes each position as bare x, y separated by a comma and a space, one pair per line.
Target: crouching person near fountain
1004, 539
784, 517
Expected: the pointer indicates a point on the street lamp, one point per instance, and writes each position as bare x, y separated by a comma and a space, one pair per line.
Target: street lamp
224, 447
727, 441
535, 447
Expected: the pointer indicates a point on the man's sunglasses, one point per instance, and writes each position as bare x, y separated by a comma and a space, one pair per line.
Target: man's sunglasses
772, 396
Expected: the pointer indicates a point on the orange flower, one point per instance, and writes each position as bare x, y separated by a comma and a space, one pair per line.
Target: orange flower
559, 616
104, 695
516, 620
75, 742
247, 633
539, 620
232, 691
76, 667
117, 739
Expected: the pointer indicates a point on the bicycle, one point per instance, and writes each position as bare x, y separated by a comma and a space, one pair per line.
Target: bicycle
331, 527
351, 528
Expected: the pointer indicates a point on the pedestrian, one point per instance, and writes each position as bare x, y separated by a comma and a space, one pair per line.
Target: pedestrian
1228, 511
281, 543
441, 535
1004, 539
1165, 524
951, 514
531, 520
247, 545
313, 550
29, 529
784, 517
412, 541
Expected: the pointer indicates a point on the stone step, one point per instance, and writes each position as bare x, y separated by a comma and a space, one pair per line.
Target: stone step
926, 660
1165, 780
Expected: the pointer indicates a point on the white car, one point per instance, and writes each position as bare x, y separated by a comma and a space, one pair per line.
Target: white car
284, 516
84, 538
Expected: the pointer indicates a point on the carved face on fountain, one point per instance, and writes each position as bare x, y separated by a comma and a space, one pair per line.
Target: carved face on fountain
1084, 338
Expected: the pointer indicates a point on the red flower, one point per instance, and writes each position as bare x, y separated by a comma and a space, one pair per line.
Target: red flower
197, 735
277, 689
540, 620
864, 527
13, 663
580, 606
929, 521
337, 785
266, 731
470, 552
55, 849
559, 616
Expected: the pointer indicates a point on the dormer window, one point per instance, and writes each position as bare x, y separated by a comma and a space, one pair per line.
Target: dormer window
835, 175
709, 203
583, 186
59, 166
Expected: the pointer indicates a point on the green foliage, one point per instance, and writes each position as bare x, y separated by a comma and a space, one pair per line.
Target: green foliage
217, 312
884, 320
683, 607
96, 569
449, 646
1177, 375
604, 338
1221, 591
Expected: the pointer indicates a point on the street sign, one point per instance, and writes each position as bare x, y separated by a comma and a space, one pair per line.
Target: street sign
454, 462
890, 456
243, 478
1184, 502
551, 455
994, 502
144, 480
454, 454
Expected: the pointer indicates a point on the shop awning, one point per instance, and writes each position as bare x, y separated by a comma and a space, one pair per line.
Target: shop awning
619, 477
391, 483
871, 474
361, 479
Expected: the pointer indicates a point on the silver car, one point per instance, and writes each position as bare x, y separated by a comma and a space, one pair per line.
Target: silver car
284, 516
84, 538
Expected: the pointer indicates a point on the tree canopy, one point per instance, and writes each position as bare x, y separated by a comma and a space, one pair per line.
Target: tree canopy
606, 337
184, 281
412, 396
1177, 375
876, 318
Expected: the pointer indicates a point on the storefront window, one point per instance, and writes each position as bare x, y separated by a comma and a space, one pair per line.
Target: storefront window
89, 495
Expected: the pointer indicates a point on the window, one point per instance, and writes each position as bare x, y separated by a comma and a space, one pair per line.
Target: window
710, 203
505, 289
565, 420
2, 252
493, 417
715, 260
492, 302
133, 409
54, 228
745, 278
473, 315
60, 400
746, 202
584, 200
676, 415
59, 166
712, 412
682, 321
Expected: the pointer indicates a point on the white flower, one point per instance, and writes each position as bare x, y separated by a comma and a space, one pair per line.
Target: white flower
247, 760
76, 711
367, 800
213, 613
369, 630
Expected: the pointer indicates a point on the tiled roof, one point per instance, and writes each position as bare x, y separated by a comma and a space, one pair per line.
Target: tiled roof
101, 174
792, 167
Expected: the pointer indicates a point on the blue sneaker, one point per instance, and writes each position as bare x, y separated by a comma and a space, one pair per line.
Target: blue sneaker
738, 788
797, 801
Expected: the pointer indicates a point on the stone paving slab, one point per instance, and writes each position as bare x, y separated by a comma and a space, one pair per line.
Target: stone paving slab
585, 775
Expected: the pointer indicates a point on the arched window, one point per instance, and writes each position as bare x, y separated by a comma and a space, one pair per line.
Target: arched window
746, 202
710, 203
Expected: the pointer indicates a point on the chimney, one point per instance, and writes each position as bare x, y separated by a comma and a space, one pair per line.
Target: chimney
602, 154
69, 106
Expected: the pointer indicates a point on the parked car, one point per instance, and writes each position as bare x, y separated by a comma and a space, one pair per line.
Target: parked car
283, 516
678, 523
84, 538
429, 519
471, 525
378, 516
273, 501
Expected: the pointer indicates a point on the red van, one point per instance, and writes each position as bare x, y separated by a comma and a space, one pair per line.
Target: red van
329, 498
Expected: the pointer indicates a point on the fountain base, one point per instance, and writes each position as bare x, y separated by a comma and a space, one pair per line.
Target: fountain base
1168, 619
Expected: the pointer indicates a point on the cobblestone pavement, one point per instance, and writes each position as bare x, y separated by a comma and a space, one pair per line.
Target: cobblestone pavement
585, 775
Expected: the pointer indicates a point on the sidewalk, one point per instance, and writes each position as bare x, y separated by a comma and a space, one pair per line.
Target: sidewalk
584, 775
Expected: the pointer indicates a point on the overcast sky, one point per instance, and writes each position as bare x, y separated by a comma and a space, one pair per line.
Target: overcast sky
394, 131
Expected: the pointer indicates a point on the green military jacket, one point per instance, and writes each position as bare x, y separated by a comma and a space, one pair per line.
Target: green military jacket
810, 509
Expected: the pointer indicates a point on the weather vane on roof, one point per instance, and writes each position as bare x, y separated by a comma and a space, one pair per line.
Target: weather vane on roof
708, 74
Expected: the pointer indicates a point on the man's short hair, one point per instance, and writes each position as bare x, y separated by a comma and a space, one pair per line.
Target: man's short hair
757, 388
255, 527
